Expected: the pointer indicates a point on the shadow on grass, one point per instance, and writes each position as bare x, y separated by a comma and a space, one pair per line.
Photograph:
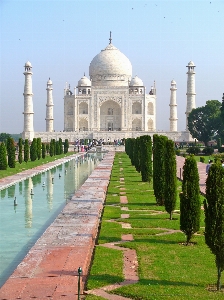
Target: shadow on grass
96, 281
166, 283
157, 241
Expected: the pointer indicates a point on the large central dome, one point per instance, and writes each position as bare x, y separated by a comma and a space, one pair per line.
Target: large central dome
110, 68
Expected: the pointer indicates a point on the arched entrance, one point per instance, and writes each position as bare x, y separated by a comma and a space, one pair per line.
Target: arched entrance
110, 116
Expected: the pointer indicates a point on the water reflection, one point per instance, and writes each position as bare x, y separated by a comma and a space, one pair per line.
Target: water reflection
24, 223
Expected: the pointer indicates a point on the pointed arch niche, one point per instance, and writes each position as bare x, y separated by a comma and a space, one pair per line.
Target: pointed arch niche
83, 124
136, 124
83, 108
150, 125
110, 116
150, 108
136, 108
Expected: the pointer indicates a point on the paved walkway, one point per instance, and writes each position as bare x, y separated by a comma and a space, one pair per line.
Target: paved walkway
49, 271
201, 171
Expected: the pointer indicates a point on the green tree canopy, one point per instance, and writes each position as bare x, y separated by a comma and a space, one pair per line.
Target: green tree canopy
4, 136
205, 122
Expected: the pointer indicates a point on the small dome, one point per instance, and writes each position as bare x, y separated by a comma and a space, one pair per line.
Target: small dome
136, 81
49, 81
173, 82
191, 64
84, 81
28, 64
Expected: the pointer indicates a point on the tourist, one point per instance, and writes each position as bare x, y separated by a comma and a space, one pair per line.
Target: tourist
208, 166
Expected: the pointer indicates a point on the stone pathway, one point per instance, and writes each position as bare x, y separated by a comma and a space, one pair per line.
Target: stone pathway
49, 270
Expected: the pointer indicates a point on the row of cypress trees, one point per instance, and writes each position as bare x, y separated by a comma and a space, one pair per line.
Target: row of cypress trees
139, 151
165, 190
35, 151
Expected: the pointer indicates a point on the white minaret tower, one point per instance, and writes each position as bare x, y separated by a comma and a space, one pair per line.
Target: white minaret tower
28, 132
49, 108
173, 107
190, 90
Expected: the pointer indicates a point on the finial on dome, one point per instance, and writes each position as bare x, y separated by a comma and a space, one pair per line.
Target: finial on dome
110, 39
84, 74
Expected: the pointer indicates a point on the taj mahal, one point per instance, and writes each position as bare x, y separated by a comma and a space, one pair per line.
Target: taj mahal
111, 104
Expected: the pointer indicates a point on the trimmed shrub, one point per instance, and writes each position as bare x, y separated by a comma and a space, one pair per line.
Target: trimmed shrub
33, 150
208, 150
26, 151
3, 157
20, 156
202, 159
214, 216
146, 158
190, 206
193, 150
170, 191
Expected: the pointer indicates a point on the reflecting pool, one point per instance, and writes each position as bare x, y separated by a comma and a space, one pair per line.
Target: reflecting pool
29, 207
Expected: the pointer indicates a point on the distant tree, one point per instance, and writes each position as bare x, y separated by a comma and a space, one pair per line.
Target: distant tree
205, 122
159, 149
47, 148
57, 145
51, 150
4, 136
60, 146
54, 143
3, 157
170, 191
66, 146
20, 156
39, 144
208, 150
193, 150
214, 216
11, 150
43, 150
137, 154
33, 150
26, 150
221, 131
146, 158
190, 206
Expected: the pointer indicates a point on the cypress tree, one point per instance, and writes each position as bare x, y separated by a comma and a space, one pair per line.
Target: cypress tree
11, 153
43, 150
26, 151
146, 158
3, 157
20, 157
57, 146
60, 146
190, 206
159, 149
51, 150
47, 148
33, 150
170, 191
214, 216
137, 154
66, 146
54, 143
39, 148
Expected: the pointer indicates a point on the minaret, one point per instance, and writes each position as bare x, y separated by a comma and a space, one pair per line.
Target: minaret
173, 107
190, 90
28, 132
49, 108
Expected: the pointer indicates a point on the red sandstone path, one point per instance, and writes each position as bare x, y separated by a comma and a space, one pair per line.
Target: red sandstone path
49, 271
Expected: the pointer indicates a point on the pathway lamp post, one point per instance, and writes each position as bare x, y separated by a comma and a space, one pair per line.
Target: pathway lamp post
79, 275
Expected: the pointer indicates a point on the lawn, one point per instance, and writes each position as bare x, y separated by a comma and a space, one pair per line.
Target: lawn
30, 164
167, 268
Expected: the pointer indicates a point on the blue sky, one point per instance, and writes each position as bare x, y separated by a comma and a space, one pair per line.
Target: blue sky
60, 38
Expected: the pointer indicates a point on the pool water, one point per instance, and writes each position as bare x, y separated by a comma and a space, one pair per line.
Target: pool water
39, 200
